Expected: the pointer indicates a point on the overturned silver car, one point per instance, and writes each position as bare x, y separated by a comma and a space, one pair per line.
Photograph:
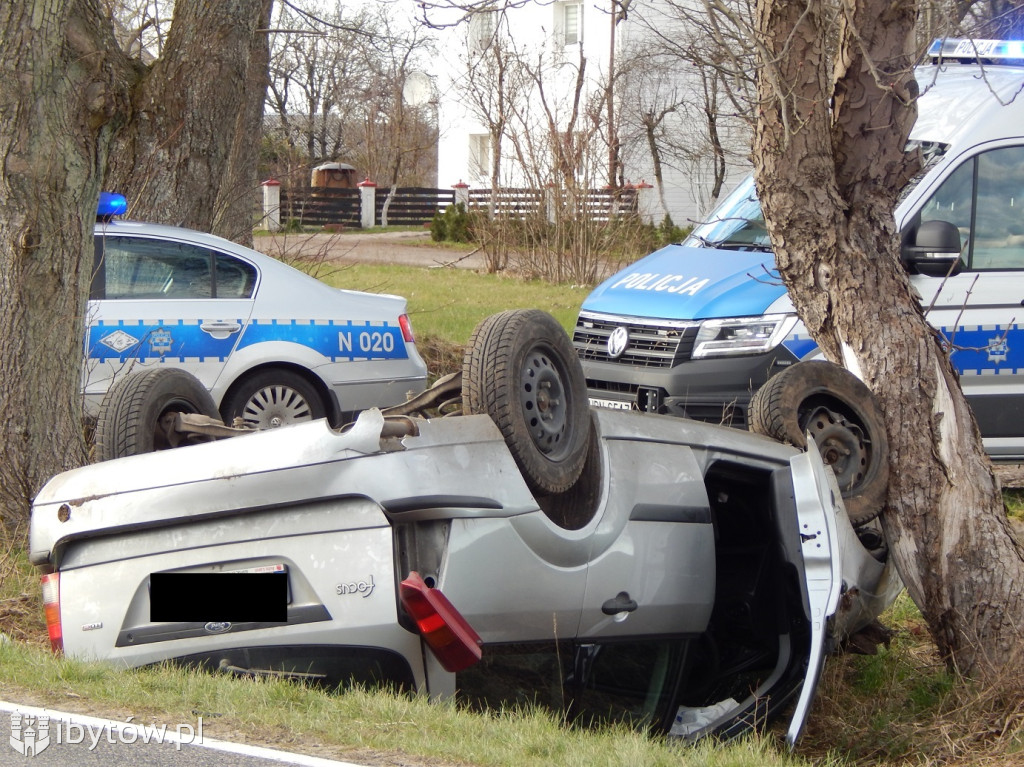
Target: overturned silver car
612, 565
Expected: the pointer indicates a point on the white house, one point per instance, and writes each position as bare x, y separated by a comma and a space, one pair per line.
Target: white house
533, 80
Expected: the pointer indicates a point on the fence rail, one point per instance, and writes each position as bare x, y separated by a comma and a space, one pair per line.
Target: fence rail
414, 206
411, 206
322, 207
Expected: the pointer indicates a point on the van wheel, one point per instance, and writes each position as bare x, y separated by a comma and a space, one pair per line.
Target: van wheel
273, 398
137, 414
845, 420
520, 368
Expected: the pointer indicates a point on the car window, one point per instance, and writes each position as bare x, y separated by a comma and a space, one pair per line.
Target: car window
142, 268
984, 198
234, 278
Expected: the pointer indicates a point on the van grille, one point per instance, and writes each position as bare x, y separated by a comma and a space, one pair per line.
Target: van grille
651, 345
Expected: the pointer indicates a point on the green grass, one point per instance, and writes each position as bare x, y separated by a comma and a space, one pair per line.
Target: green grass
448, 303
283, 714
1014, 498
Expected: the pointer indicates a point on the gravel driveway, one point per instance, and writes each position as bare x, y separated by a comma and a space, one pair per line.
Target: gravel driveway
410, 248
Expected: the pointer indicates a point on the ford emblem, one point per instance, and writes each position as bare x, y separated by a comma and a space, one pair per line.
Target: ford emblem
617, 342
217, 627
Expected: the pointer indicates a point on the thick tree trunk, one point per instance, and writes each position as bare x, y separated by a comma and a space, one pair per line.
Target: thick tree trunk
59, 99
829, 164
188, 158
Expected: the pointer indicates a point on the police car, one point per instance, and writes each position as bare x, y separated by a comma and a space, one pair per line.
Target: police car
271, 344
695, 329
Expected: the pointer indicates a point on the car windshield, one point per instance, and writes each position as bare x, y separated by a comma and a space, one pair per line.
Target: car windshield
736, 224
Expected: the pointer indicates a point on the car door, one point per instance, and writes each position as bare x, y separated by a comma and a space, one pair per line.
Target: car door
156, 301
652, 570
979, 310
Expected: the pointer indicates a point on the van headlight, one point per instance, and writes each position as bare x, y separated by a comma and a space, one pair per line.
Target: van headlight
741, 335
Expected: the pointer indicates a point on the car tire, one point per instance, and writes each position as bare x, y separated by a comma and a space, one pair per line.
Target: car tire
845, 420
273, 398
132, 417
520, 368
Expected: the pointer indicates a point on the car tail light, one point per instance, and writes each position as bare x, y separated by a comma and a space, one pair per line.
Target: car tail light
452, 640
406, 326
51, 608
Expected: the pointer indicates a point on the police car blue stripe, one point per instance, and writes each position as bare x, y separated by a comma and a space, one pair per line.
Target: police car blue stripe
156, 340
335, 340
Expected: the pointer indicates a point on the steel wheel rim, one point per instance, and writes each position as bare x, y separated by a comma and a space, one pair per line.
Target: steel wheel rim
843, 446
544, 401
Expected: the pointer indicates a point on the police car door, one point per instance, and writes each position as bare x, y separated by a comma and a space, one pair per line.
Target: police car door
979, 310
163, 302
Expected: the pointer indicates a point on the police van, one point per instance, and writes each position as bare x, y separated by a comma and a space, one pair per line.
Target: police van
694, 329
270, 343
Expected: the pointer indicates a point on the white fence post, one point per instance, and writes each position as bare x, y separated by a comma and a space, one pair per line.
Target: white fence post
462, 194
646, 202
367, 203
272, 204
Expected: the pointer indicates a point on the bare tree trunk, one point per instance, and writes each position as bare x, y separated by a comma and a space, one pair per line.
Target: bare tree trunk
60, 97
829, 164
180, 161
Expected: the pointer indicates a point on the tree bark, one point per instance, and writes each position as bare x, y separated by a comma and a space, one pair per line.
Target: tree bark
188, 157
829, 164
186, 130
61, 96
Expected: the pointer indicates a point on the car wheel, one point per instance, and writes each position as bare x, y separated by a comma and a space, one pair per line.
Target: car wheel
273, 398
137, 414
520, 369
845, 420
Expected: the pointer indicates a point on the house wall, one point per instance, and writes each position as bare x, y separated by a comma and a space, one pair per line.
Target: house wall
536, 33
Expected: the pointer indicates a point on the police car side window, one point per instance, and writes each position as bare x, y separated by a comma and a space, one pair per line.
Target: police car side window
234, 278
984, 198
155, 269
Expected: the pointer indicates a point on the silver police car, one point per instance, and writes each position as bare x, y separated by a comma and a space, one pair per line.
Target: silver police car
269, 343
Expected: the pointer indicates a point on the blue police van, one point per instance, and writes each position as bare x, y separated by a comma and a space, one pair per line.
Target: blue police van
271, 344
695, 329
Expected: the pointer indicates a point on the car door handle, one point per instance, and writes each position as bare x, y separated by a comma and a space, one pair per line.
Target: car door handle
620, 603
221, 329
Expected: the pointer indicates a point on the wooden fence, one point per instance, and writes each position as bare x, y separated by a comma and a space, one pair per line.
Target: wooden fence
415, 206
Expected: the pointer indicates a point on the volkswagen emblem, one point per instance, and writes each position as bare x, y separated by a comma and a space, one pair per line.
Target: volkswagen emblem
617, 342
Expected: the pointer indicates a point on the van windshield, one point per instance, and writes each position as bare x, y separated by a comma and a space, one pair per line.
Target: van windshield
736, 224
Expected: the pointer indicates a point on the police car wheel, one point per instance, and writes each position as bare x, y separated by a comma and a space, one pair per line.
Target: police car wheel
273, 398
520, 368
845, 420
138, 411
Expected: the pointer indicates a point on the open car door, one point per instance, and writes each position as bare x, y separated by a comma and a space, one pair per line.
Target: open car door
818, 501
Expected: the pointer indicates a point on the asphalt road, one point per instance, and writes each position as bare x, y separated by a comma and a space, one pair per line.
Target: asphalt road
75, 739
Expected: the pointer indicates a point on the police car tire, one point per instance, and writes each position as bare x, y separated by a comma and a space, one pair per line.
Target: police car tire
849, 428
291, 384
518, 366
128, 422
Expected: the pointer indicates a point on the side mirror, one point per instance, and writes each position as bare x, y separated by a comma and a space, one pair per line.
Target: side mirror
934, 249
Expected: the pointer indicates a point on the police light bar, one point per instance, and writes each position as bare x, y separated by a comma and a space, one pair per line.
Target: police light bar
967, 51
111, 204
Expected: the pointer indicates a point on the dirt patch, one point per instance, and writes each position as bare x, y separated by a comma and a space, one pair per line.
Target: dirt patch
408, 248
21, 620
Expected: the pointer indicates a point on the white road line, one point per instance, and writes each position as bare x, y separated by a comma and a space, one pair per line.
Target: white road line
169, 735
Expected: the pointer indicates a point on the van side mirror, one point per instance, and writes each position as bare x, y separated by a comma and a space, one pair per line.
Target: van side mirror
934, 249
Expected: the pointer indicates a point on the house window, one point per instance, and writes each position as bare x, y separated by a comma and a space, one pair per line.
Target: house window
480, 155
481, 30
570, 18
